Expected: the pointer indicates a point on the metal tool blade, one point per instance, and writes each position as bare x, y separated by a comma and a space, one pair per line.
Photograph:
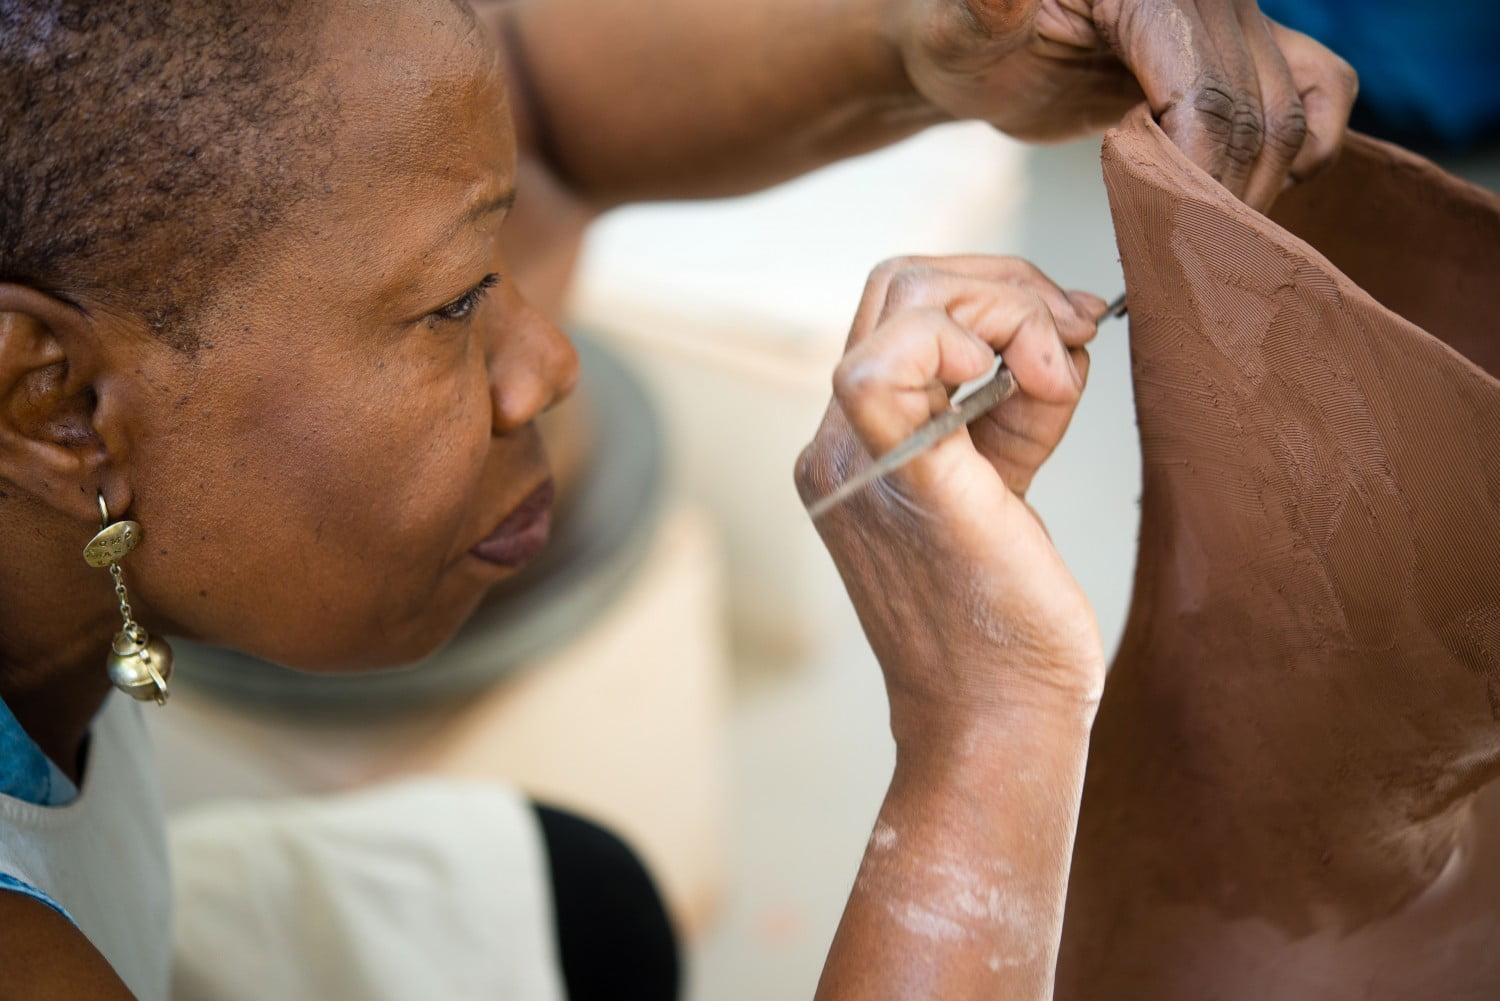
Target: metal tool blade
965, 411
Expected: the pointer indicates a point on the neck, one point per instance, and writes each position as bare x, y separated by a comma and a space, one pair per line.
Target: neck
57, 715
57, 618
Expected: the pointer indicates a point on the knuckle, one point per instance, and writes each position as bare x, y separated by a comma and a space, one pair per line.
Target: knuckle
1213, 101
809, 474
1287, 130
1032, 305
908, 286
891, 266
1247, 135
1347, 76
1112, 21
852, 379
823, 465
1024, 269
841, 381
1231, 117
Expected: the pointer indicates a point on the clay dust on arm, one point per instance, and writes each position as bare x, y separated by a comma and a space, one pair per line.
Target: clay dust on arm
961, 891
990, 651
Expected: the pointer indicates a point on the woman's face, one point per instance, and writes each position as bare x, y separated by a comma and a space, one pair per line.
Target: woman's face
335, 477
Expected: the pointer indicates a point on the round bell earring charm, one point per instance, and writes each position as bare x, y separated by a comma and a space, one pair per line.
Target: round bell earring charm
140, 669
138, 665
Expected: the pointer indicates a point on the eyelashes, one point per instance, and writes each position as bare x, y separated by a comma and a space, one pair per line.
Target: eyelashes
463, 307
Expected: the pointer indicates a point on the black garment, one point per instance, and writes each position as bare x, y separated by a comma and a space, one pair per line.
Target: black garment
614, 937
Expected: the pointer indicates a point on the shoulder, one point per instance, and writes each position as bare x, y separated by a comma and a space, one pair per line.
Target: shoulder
46, 957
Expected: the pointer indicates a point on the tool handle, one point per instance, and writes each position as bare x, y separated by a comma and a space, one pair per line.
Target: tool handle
963, 413
978, 403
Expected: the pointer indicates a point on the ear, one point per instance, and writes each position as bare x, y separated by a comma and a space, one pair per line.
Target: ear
51, 446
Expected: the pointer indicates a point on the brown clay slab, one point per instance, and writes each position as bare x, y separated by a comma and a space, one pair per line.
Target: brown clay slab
1291, 790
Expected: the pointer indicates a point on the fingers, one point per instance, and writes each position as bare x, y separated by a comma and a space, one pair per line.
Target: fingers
1090, 305
1029, 336
926, 325
1327, 87
1169, 48
939, 328
1237, 117
1283, 121
1019, 437
1250, 102
906, 281
884, 383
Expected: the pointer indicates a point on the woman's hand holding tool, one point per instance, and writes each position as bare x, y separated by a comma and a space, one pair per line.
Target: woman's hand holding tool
991, 654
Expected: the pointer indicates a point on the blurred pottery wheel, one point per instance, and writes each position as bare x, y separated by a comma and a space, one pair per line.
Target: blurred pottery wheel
601, 531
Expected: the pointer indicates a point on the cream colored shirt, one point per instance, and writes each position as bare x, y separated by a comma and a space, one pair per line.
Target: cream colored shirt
102, 858
421, 889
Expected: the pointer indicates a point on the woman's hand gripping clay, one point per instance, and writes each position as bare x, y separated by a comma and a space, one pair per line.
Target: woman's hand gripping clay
1253, 103
990, 651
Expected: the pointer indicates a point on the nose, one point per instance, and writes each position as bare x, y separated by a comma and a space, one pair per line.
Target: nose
534, 367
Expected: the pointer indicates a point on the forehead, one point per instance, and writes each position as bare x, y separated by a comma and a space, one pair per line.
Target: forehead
422, 137
418, 96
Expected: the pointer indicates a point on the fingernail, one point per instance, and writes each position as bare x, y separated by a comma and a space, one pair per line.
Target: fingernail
1087, 305
1072, 367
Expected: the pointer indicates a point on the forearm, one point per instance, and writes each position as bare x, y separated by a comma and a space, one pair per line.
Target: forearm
695, 98
962, 887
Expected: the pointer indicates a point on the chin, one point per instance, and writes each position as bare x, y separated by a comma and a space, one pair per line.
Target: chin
365, 644
402, 645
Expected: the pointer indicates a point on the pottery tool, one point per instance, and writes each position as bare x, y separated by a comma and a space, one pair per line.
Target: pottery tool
968, 404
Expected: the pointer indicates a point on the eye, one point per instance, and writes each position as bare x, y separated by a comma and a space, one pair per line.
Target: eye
464, 305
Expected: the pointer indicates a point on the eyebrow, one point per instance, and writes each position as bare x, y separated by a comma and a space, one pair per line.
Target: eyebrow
500, 203
472, 215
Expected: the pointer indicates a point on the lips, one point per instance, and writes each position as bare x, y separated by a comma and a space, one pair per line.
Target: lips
523, 533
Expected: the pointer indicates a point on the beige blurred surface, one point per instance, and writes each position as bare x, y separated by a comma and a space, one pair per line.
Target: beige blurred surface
735, 312
624, 723
627, 724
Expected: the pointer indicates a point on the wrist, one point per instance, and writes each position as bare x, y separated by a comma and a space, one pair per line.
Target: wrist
890, 34
1049, 715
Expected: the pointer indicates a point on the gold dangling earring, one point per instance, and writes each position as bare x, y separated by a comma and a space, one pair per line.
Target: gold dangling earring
138, 665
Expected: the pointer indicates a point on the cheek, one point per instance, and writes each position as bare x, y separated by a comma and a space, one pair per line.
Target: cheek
317, 525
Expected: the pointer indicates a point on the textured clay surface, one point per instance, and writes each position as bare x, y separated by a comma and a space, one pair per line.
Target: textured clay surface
1291, 788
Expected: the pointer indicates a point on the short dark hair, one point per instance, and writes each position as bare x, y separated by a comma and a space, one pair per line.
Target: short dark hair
144, 142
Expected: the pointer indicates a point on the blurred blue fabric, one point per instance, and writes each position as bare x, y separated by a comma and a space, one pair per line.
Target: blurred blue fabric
1429, 73
26, 773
